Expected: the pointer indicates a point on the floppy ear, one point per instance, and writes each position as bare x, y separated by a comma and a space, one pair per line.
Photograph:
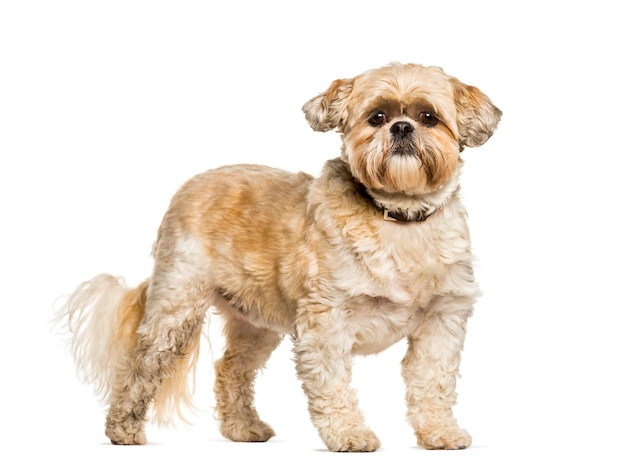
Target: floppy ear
477, 117
328, 110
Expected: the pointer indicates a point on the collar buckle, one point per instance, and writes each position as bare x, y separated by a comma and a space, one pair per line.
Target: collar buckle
388, 217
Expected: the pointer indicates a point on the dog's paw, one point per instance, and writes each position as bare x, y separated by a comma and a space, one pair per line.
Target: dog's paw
119, 436
125, 429
245, 431
353, 440
451, 438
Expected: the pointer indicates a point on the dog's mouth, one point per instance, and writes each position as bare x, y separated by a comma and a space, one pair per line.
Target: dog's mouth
404, 149
429, 162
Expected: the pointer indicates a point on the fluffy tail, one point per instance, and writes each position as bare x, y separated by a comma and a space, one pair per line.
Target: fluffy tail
102, 317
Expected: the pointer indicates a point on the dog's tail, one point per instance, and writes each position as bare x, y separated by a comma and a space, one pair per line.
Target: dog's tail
102, 317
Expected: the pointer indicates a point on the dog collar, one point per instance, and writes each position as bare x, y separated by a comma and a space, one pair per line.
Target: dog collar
394, 215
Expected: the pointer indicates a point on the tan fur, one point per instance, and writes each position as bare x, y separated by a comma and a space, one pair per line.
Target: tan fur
277, 253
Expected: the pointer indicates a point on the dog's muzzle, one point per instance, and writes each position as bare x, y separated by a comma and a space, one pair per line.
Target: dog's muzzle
403, 142
402, 130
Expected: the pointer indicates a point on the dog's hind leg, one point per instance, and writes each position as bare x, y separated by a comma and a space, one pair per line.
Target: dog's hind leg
177, 301
247, 350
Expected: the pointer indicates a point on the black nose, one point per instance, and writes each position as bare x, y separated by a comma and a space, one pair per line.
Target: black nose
402, 129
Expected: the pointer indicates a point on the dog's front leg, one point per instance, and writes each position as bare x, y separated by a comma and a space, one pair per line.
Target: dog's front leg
324, 363
430, 369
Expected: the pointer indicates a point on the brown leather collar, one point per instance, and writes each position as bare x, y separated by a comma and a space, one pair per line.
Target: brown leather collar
393, 215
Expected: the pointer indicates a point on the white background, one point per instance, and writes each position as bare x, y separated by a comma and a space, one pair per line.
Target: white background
106, 108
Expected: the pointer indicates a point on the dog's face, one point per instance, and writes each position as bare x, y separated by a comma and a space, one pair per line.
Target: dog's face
403, 126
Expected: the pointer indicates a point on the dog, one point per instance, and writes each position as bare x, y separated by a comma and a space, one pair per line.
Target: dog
374, 250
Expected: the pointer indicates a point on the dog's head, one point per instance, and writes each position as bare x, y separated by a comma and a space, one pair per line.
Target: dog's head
403, 126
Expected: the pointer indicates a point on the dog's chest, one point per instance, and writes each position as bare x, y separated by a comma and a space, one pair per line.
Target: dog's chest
403, 264
390, 275
375, 323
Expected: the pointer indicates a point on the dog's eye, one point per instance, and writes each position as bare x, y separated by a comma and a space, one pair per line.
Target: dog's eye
377, 118
428, 119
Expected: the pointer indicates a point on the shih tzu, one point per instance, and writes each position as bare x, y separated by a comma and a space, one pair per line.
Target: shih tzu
374, 250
